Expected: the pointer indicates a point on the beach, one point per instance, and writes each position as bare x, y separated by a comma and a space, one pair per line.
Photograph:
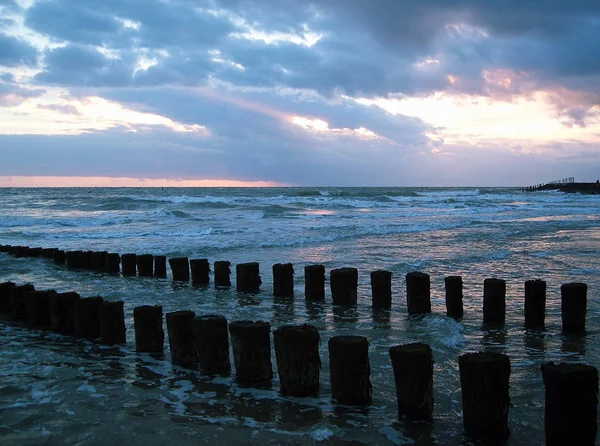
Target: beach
60, 390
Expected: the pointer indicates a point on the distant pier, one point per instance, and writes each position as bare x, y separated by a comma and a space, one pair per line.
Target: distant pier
566, 185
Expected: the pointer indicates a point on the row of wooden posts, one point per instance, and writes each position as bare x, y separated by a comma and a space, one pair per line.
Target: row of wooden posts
343, 284
202, 343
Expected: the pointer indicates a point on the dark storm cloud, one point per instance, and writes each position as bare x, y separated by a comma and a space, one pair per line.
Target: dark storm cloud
15, 52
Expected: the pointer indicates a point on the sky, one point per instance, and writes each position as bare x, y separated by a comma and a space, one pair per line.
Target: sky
299, 92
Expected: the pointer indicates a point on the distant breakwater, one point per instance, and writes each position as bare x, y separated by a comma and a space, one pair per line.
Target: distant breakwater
582, 188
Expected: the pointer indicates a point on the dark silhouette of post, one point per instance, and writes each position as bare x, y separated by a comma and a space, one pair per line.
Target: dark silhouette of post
571, 404
99, 261
344, 286
145, 265
535, 303
37, 307
350, 370
59, 257
298, 361
5, 303
418, 293
381, 288
314, 282
86, 260
62, 312
251, 344
200, 271
48, 253
454, 296
283, 280
160, 267
248, 277
180, 269
212, 344
112, 323
180, 327
573, 298
34, 252
494, 300
113, 263
17, 301
129, 264
484, 380
222, 273
413, 373
87, 317
73, 259
148, 325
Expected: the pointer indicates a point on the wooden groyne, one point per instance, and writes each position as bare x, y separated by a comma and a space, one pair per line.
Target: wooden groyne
566, 185
200, 342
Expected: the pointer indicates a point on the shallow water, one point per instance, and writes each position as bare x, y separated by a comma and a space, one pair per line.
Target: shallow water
58, 390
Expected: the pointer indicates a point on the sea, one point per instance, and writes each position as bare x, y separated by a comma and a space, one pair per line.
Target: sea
62, 390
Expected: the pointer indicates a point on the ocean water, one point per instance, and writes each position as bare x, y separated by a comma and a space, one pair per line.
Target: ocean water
60, 390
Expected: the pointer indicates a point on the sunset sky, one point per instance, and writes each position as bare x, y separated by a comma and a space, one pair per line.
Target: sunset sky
294, 92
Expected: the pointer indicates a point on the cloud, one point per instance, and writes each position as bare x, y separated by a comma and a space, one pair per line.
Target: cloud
15, 52
65, 109
12, 95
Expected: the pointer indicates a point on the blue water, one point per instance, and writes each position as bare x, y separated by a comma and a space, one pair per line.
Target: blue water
57, 390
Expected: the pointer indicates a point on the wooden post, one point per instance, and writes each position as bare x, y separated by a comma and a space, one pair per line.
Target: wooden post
59, 257
212, 344
87, 317
535, 303
484, 379
113, 263
160, 267
48, 253
494, 300
99, 261
180, 267
571, 404
248, 277
200, 271
314, 282
62, 312
112, 323
37, 308
180, 327
17, 300
5, 303
413, 373
573, 298
34, 252
283, 280
148, 325
344, 284
454, 296
298, 361
222, 273
73, 259
129, 264
251, 343
350, 370
418, 293
86, 260
145, 265
381, 289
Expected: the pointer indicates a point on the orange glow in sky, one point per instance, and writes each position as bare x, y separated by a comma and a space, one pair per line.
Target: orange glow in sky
48, 181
